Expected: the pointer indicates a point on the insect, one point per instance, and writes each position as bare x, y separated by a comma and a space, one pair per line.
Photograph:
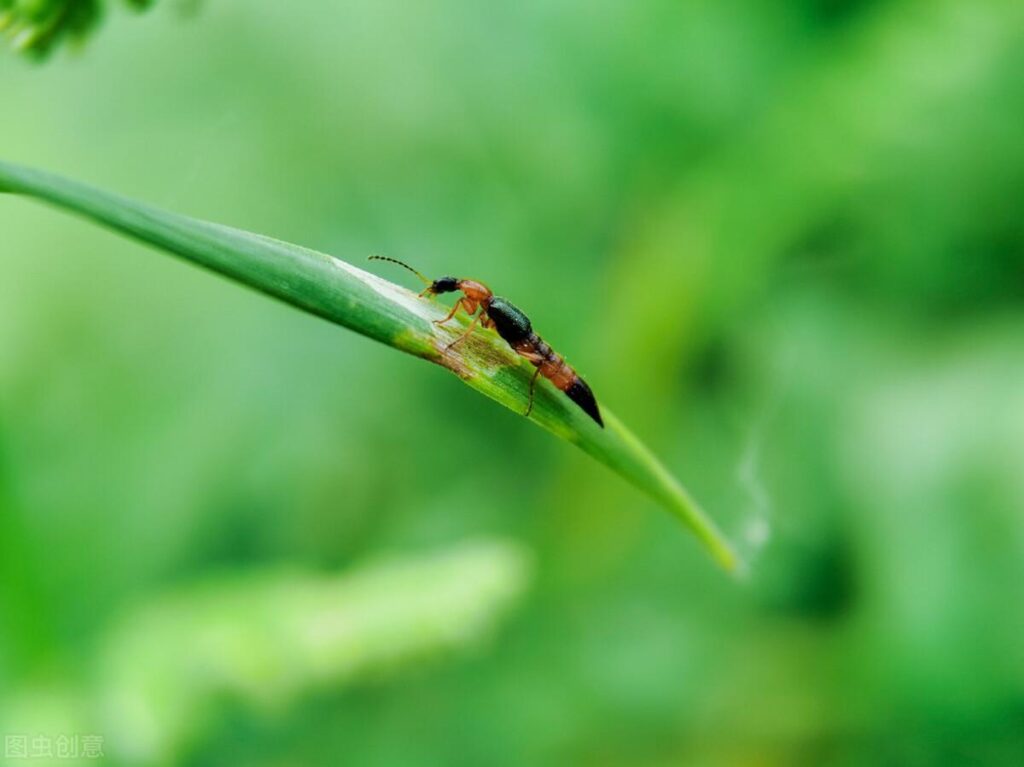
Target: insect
514, 327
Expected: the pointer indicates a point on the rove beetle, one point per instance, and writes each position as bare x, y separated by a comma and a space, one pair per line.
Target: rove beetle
515, 328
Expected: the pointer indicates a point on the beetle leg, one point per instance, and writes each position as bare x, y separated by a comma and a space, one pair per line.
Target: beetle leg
535, 359
533, 383
451, 314
472, 325
470, 306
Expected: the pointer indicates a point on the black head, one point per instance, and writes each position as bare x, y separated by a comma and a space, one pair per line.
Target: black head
510, 322
444, 285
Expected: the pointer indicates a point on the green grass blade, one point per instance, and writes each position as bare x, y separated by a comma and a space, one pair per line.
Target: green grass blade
389, 313
274, 637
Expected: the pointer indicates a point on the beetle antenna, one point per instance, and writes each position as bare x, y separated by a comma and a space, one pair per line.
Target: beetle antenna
403, 264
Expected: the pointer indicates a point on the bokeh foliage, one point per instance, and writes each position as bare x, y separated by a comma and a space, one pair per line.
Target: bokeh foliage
783, 240
37, 27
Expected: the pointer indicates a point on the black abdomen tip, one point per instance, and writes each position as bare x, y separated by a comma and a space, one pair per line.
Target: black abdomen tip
581, 394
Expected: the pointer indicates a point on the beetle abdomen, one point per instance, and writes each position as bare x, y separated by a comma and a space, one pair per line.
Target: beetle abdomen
561, 374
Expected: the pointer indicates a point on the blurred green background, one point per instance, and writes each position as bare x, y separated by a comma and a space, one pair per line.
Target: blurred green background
783, 241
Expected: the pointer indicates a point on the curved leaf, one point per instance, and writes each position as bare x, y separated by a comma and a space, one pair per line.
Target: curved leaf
389, 313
